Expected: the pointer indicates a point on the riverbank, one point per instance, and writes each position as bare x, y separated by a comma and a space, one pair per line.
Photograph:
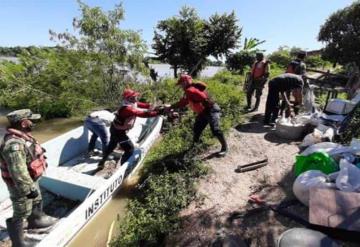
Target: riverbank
220, 212
225, 192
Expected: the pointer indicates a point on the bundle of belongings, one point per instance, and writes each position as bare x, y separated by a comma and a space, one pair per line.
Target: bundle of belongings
327, 177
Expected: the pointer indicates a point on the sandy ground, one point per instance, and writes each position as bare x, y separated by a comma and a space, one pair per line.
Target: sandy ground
221, 210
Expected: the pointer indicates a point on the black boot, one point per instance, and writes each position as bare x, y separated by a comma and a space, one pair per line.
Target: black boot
257, 103
223, 143
16, 233
38, 219
248, 100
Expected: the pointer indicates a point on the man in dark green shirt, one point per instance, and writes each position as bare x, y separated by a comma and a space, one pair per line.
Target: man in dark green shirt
280, 85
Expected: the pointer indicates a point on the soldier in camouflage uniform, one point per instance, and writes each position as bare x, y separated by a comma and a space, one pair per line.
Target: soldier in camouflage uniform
21, 158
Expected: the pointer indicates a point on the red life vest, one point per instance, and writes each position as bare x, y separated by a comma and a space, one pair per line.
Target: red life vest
122, 122
198, 107
258, 69
36, 166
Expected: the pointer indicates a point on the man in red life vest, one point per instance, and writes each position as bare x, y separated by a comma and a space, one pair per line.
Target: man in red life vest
259, 75
22, 163
208, 111
124, 121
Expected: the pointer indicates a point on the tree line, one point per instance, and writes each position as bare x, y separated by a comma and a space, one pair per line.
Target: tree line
88, 67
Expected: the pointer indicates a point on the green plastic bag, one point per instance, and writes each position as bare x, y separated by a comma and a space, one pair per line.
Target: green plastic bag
320, 161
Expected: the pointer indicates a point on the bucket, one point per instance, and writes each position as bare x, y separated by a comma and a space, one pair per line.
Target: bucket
290, 131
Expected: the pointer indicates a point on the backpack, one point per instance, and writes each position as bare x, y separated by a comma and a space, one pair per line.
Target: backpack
199, 85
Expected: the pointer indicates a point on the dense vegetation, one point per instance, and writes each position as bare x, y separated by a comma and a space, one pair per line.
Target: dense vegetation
18, 50
341, 34
87, 69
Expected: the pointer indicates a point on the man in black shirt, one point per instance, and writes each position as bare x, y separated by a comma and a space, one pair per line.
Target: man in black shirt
279, 85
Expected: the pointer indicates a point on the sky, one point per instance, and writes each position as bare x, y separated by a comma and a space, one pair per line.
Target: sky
278, 22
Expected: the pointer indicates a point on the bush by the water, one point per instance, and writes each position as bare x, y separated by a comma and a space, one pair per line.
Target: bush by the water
172, 167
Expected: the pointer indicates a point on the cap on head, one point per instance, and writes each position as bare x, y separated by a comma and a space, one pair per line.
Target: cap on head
184, 78
130, 93
259, 55
301, 54
19, 115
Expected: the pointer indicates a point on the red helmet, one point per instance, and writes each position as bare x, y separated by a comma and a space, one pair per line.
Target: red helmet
130, 93
184, 78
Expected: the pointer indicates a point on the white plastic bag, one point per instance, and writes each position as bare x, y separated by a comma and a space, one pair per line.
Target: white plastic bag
320, 133
309, 100
349, 177
307, 180
312, 138
323, 146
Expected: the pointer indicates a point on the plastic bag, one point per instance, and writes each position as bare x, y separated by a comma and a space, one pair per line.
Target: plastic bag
321, 147
309, 100
320, 134
316, 161
307, 180
349, 177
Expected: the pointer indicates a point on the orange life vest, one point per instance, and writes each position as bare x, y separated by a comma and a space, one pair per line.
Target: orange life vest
258, 69
36, 166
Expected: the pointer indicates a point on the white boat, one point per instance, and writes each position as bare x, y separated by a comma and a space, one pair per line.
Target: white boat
72, 189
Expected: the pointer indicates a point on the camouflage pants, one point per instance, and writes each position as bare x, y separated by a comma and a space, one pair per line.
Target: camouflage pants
22, 206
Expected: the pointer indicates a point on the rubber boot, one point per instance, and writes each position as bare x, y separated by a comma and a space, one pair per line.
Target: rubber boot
248, 100
223, 143
16, 233
38, 219
257, 103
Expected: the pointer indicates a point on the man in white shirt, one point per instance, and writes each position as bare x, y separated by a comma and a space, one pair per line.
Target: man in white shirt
97, 123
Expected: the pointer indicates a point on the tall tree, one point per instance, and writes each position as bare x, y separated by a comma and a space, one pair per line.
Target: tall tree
186, 40
341, 34
108, 47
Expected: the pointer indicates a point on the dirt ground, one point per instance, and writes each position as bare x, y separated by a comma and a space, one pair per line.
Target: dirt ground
222, 214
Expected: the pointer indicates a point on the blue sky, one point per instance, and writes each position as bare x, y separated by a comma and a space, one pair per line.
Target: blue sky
279, 22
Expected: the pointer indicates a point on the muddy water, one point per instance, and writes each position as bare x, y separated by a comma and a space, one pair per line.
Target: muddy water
48, 129
97, 232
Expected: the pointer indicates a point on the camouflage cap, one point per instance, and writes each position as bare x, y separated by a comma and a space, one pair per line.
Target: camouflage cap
16, 116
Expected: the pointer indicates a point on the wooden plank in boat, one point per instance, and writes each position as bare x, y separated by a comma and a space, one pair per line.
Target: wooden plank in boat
70, 184
334, 208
